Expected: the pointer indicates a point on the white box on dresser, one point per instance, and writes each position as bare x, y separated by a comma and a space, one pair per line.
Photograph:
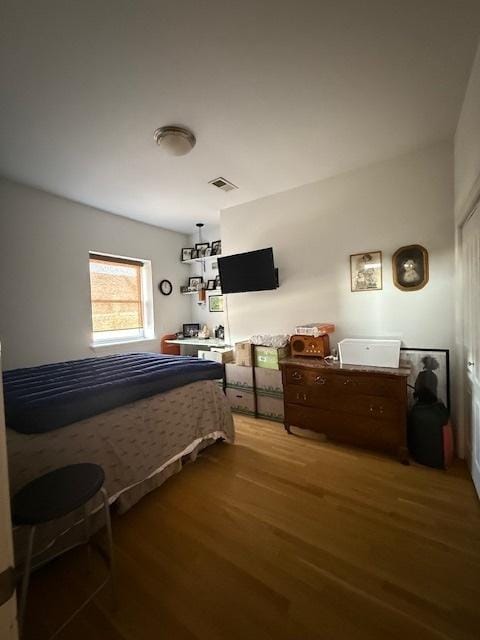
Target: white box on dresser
370, 352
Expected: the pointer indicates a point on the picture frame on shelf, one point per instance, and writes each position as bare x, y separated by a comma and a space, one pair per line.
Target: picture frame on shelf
215, 304
366, 271
429, 379
201, 248
211, 285
187, 253
218, 284
195, 282
191, 330
216, 247
410, 267
208, 252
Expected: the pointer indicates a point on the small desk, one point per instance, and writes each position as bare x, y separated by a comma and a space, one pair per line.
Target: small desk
207, 343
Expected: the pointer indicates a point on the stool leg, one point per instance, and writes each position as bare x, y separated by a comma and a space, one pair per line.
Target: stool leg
26, 578
110, 544
86, 515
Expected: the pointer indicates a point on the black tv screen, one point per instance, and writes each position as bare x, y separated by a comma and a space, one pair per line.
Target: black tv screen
251, 271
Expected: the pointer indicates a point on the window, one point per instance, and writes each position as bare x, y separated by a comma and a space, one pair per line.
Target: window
118, 290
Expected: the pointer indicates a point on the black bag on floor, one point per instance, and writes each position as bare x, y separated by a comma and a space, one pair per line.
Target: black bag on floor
430, 440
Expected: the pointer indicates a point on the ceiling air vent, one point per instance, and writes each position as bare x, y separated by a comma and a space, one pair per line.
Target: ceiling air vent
223, 184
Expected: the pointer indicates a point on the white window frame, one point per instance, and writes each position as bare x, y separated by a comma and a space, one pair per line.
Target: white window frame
125, 336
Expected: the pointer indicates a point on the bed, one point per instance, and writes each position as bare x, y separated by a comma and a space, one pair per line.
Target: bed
140, 416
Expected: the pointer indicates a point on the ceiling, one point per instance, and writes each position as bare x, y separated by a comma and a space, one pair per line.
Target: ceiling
277, 93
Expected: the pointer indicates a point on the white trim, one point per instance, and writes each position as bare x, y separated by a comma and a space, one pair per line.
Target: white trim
104, 345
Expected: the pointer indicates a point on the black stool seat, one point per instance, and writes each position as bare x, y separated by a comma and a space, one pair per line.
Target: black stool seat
56, 493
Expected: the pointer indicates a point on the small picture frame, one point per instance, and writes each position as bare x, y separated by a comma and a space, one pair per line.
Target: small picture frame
215, 304
208, 252
201, 248
216, 247
211, 285
195, 282
187, 253
194, 254
191, 330
410, 267
366, 271
218, 284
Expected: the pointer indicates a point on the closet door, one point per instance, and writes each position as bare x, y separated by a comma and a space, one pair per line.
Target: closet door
471, 341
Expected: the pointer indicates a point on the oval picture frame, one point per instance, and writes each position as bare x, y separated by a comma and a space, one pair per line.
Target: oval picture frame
410, 267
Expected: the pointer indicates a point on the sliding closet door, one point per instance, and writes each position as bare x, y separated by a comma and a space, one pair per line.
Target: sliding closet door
471, 342
8, 624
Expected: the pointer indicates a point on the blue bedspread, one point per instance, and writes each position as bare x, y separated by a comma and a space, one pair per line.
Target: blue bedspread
40, 399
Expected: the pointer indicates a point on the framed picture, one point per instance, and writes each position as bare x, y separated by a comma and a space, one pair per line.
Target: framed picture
215, 303
410, 267
201, 248
218, 284
194, 282
429, 377
194, 253
191, 330
208, 252
211, 285
366, 271
187, 254
216, 247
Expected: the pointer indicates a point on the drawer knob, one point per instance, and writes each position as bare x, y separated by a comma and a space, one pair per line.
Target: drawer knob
320, 380
296, 375
379, 409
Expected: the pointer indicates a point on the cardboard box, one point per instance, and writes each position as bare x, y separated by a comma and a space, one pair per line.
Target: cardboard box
269, 381
238, 376
243, 354
270, 408
217, 356
268, 357
241, 401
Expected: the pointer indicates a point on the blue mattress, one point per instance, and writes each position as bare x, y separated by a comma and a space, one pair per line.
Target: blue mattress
40, 399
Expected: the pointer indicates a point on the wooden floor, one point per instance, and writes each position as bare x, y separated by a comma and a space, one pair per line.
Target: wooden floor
283, 537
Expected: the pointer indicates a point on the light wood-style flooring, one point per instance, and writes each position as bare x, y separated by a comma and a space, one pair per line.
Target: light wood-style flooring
287, 538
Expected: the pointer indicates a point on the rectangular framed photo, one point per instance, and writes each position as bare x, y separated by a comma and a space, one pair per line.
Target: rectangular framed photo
191, 330
218, 284
187, 254
216, 247
215, 303
201, 248
429, 378
366, 271
211, 285
208, 252
194, 282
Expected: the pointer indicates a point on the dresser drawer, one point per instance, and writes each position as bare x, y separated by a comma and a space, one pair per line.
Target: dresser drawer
309, 396
368, 385
310, 377
381, 435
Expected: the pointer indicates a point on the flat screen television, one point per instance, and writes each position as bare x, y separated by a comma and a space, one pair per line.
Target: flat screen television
251, 271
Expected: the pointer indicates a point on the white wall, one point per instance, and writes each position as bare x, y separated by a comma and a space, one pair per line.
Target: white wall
45, 311
467, 145
314, 228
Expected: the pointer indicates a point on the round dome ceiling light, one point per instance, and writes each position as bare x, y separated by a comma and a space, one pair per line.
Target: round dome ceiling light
176, 141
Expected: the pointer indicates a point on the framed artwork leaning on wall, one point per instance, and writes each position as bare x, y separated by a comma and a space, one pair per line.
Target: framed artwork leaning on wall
429, 378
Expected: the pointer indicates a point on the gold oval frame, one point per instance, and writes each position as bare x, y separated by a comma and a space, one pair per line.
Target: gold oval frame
426, 273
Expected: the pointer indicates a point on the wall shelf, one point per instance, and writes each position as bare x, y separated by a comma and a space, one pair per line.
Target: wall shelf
205, 259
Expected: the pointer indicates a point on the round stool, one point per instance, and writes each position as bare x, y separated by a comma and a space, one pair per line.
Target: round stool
52, 496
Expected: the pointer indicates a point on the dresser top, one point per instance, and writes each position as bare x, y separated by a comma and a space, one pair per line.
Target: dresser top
320, 363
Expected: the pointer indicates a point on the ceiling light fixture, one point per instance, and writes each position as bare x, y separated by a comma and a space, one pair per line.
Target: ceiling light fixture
176, 141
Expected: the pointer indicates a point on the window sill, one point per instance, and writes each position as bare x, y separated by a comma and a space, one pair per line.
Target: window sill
118, 343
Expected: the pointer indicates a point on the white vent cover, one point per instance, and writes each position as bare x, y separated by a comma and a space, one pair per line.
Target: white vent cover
223, 184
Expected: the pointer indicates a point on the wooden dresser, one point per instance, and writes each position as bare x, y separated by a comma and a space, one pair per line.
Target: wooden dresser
363, 406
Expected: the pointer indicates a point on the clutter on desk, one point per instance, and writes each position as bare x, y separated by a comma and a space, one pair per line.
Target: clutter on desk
204, 332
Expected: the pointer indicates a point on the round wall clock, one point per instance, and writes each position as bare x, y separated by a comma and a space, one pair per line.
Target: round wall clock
165, 287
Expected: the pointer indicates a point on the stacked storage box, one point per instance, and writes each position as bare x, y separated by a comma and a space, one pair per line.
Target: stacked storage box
268, 385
